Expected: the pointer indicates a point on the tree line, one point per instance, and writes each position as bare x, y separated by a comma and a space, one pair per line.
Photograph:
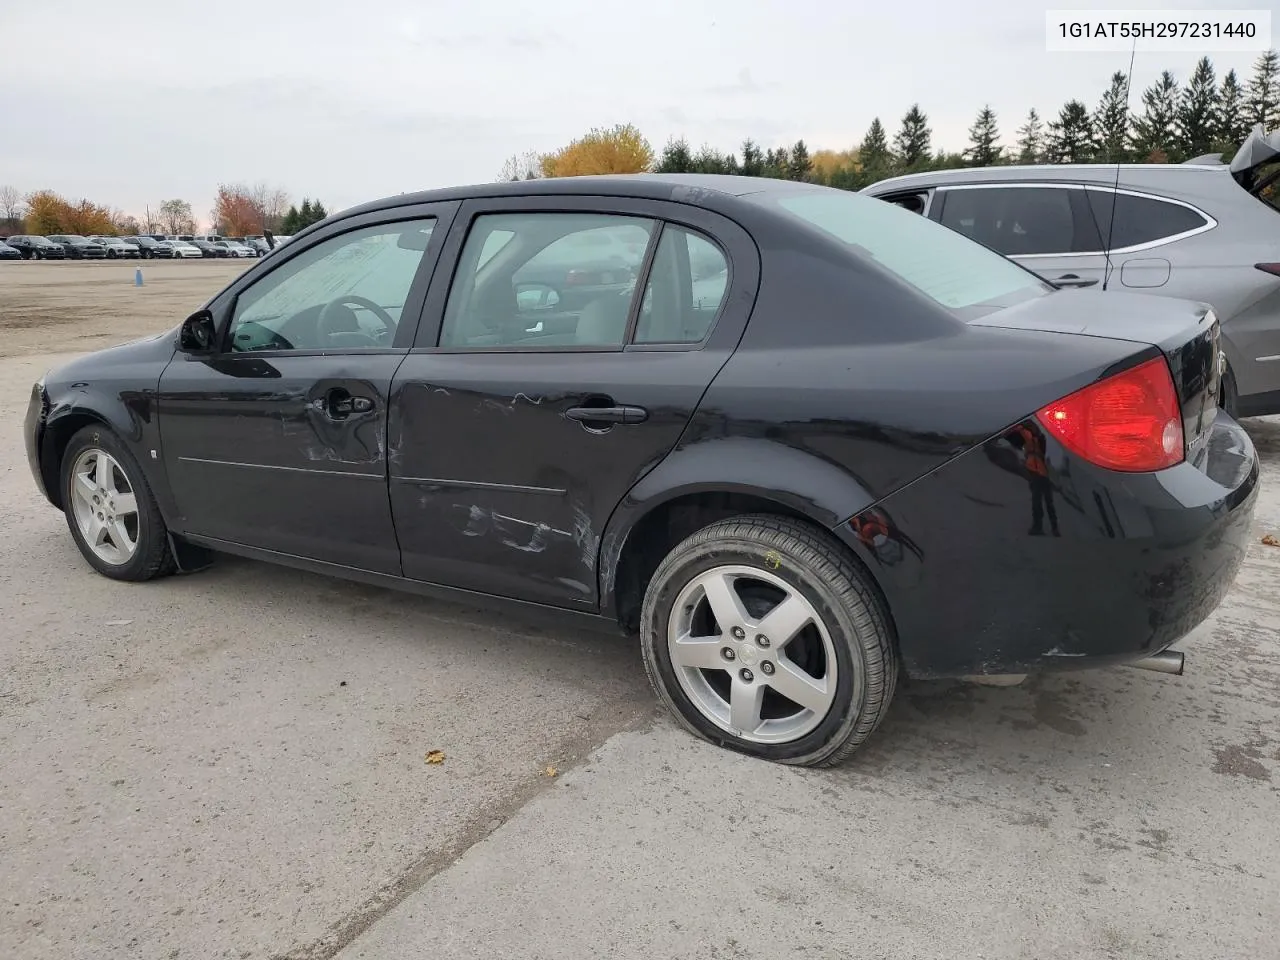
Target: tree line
1176, 123
239, 210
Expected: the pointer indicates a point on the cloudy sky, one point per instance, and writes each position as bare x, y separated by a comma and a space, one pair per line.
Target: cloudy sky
349, 100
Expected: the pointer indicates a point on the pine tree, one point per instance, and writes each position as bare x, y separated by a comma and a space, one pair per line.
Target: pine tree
874, 154
710, 160
1154, 132
984, 136
318, 211
1233, 127
1071, 138
1031, 139
752, 160
777, 163
1111, 121
912, 141
305, 218
1264, 92
799, 163
1198, 111
289, 225
676, 158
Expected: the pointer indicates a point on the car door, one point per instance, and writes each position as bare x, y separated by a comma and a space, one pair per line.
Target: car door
527, 410
1138, 232
278, 439
1046, 227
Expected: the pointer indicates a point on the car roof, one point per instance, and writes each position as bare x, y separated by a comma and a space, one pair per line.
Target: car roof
655, 186
1151, 173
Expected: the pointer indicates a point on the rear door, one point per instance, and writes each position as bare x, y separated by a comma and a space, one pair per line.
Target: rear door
526, 411
1138, 231
1046, 227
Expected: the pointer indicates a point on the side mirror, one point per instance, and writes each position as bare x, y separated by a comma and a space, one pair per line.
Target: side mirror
198, 333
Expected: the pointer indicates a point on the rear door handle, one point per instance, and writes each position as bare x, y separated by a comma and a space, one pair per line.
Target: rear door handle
1071, 280
622, 414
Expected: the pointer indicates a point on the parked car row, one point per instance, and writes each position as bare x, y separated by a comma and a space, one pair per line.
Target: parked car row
97, 247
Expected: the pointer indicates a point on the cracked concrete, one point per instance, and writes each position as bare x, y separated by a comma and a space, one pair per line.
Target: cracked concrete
238, 772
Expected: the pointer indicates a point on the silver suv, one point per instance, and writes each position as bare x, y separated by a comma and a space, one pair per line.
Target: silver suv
1202, 230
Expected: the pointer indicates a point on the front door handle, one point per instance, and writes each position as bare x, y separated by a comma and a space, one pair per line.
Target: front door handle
1071, 280
339, 404
619, 414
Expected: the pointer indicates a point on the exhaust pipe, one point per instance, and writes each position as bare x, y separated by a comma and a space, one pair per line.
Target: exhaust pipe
1167, 661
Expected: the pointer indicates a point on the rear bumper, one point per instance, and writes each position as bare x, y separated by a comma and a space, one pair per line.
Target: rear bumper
1138, 560
33, 430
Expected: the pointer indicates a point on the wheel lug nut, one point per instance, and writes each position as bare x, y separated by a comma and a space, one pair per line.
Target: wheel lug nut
766, 668
738, 633
747, 675
727, 653
762, 640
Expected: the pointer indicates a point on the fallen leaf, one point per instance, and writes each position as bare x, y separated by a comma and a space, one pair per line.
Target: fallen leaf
1271, 541
435, 756
118, 623
551, 771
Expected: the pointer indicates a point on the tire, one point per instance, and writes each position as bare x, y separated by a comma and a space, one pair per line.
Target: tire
765, 560
83, 463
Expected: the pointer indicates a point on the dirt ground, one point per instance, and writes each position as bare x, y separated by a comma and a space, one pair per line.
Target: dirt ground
232, 766
50, 306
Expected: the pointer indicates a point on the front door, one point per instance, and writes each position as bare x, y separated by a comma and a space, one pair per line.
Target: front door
1046, 227
562, 364
278, 441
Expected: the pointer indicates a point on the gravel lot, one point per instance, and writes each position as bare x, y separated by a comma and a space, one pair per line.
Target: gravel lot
232, 765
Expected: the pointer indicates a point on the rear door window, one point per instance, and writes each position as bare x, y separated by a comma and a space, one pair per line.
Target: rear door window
1022, 221
1139, 220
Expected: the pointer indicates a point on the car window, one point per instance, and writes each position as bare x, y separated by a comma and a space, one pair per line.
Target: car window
545, 280
685, 289
1140, 220
347, 291
1022, 221
938, 262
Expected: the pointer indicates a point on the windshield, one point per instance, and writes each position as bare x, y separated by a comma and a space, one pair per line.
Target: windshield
956, 272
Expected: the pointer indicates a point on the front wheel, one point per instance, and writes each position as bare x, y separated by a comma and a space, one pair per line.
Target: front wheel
110, 509
761, 634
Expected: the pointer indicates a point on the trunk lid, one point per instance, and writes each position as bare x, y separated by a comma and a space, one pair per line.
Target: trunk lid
1186, 332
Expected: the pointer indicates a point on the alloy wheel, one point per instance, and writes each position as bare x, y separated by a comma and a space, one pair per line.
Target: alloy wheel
752, 654
105, 506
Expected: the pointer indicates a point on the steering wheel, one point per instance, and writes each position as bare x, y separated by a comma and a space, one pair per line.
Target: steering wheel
336, 311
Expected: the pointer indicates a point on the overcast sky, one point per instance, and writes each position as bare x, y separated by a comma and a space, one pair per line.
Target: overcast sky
349, 100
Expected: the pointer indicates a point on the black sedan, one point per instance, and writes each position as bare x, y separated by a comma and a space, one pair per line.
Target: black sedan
37, 248
80, 248
9, 253
864, 446
146, 246
209, 249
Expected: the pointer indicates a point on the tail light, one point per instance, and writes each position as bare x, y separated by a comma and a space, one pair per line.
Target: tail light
1130, 421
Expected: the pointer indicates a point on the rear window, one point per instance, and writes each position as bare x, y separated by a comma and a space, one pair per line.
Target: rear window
1139, 220
954, 271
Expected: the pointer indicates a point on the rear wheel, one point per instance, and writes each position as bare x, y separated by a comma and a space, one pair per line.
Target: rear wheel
110, 509
762, 635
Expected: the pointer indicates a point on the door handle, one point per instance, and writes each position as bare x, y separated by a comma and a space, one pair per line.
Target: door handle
618, 414
1071, 280
339, 404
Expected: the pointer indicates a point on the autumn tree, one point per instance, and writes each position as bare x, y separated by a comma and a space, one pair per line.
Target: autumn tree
619, 149
912, 141
176, 217
45, 212
984, 140
234, 213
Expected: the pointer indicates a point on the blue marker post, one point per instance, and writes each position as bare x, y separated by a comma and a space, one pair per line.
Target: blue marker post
137, 277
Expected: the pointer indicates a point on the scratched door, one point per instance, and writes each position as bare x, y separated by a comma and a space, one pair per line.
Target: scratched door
286, 453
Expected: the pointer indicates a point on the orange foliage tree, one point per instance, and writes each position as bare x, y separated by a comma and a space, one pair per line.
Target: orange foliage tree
47, 212
620, 149
44, 213
235, 212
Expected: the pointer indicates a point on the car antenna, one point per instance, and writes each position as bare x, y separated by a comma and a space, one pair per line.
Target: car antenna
1115, 187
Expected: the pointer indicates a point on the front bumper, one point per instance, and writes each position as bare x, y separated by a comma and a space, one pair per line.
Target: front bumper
978, 581
33, 431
